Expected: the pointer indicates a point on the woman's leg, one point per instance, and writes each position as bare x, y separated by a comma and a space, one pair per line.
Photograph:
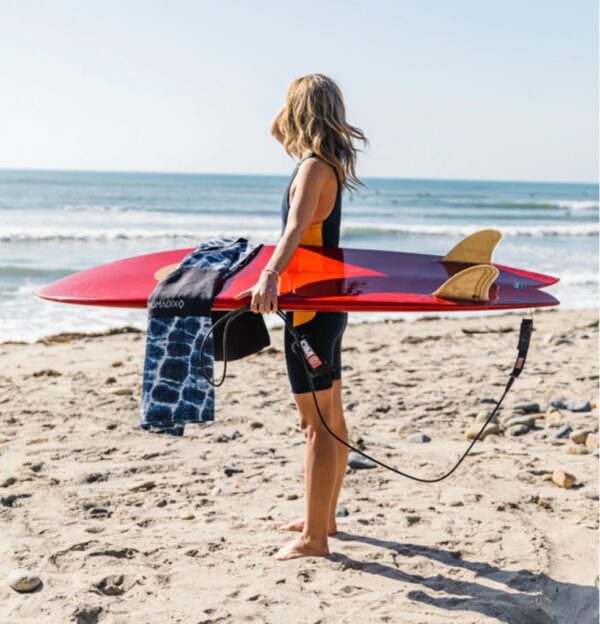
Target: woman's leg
321, 476
340, 429
338, 426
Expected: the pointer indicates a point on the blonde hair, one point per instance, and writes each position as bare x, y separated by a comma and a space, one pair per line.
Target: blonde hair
314, 119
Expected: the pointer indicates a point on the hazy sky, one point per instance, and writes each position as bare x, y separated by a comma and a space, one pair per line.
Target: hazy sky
492, 89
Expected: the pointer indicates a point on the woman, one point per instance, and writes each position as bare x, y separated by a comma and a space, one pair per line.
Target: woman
313, 128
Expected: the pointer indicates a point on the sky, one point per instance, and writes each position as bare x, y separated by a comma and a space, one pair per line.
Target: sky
466, 89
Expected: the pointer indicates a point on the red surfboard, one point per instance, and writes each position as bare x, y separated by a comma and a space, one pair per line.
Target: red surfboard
317, 278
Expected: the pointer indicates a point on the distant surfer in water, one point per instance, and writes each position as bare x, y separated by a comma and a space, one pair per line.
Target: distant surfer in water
312, 127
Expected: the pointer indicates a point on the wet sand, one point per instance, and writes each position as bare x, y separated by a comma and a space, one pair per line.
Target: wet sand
122, 525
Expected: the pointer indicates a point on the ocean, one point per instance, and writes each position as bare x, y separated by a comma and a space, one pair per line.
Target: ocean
55, 223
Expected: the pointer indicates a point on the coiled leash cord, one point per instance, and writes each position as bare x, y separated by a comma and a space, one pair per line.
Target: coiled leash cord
315, 367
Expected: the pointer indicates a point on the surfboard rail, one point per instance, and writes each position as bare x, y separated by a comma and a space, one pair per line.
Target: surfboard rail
317, 278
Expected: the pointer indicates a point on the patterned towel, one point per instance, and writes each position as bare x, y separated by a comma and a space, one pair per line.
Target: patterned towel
173, 391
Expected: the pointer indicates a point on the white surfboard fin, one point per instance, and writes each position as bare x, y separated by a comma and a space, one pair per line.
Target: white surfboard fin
471, 284
476, 248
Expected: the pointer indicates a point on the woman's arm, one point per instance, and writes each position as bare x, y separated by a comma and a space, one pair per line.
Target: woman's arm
310, 180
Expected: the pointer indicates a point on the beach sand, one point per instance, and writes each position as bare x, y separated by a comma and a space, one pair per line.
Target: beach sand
126, 526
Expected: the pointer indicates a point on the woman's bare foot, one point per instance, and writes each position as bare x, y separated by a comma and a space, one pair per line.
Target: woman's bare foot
301, 547
298, 525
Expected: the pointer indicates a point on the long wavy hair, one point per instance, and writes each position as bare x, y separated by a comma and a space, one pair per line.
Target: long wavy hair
314, 119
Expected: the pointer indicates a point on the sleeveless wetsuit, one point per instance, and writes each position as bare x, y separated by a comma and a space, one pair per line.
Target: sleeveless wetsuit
323, 329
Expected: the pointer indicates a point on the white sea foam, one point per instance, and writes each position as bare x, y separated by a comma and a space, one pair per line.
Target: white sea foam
352, 230
575, 229
579, 279
578, 205
24, 234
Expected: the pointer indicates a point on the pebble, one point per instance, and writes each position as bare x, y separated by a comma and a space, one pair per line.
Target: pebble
483, 416
23, 581
47, 372
560, 340
341, 512
186, 515
111, 380
256, 425
577, 450
231, 471
95, 477
455, 496
517, 430
541, 435
596, 452
418, 438
143, 487
592, 441
563, 479
216, 491
592, 494
579, 436
554, 417
579, 406
111, 586
359, 443
358, 462
563, 432
100, 513
559, 402
529, 407
123, 391
526, 421
473, 430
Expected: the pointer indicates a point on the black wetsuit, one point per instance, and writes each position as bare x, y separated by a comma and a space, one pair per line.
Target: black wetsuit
323, 329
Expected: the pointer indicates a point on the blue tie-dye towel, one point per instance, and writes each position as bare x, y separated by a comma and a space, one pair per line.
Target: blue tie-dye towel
173, 390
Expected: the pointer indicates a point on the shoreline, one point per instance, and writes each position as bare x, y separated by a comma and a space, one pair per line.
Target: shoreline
66, 336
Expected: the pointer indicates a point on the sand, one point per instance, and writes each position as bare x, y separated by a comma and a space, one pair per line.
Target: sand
126, 526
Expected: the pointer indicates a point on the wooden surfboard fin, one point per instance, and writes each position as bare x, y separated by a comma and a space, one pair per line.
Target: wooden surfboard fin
476, 248
472, 284
165, 271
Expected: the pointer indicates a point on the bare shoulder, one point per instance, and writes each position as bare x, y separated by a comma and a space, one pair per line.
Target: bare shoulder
315, 171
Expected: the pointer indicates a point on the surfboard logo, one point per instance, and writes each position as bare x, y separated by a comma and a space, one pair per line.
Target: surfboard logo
166, 304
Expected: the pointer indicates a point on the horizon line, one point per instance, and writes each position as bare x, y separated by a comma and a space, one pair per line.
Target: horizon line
281, 175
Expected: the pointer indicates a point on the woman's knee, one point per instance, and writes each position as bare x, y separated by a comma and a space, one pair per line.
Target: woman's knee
316, 433
309, 415
311, 424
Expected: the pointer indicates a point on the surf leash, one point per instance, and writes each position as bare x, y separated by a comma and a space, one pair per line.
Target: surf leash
315, 367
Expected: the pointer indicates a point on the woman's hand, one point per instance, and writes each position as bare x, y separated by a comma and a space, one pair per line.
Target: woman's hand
276, 130
264, 293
